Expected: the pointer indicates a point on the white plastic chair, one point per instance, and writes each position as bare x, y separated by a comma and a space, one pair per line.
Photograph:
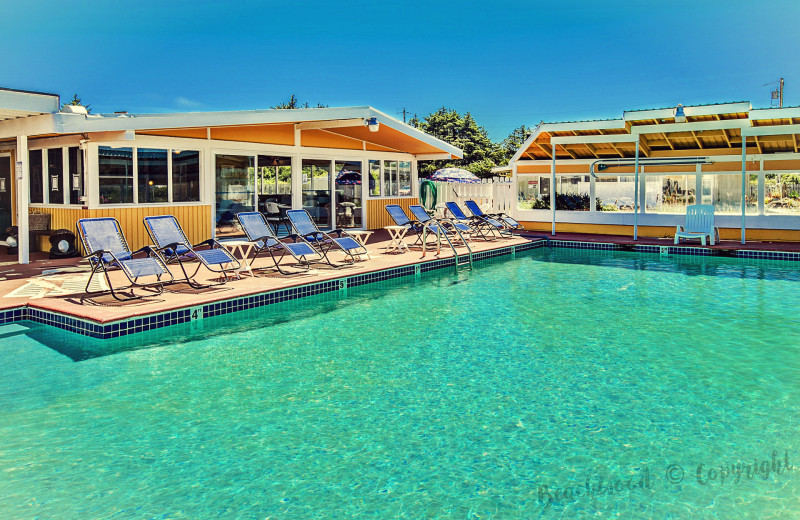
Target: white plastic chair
699, 225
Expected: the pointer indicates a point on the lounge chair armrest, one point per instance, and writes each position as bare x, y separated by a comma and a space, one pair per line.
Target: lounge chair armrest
98, 253
173, 246
211, 242
146, 249
293, 236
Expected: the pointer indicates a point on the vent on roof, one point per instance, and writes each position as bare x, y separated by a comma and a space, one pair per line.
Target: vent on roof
74, 109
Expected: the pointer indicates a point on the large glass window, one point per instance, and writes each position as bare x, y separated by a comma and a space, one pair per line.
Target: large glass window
274, 188
614, 193
75, 158
55, 175
724, 191
185, 176
572, 193
317, 190
35, 172
115, 170
390, 179
533, 192
235, 191
374, 178
782, 193
404, 177
348, 183
153, 173
669, 193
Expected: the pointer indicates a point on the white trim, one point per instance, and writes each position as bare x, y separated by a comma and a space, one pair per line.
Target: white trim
774, 113
580, 139
771, 130
698, 126
690, 111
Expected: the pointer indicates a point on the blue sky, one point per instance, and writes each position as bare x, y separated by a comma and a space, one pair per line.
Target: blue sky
508, 63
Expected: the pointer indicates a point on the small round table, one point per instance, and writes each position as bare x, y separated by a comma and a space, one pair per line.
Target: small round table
397, 245
361, 236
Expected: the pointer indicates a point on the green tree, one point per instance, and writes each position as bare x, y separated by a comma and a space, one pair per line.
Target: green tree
512, 143
76, 101
294, 103
480, 153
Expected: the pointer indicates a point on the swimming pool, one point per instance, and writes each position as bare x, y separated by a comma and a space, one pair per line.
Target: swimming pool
557, 384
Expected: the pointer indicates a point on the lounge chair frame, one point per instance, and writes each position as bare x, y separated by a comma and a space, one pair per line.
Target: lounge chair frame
481, 227
264, 239
305, 228
111, 252
507, 222
179, 250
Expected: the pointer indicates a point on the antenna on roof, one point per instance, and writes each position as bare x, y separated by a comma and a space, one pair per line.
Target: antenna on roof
777, 94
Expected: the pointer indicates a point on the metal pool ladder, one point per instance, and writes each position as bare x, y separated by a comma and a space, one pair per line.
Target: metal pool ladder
462, 262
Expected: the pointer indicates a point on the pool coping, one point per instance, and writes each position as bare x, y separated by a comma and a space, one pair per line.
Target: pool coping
141, 323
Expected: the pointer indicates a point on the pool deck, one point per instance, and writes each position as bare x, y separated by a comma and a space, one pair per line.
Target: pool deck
57, 285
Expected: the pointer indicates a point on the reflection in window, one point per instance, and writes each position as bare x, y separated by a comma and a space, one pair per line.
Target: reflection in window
669, 193
374, 178
317, 190
55, 175
235, 191
533, 192
404, 177
390, 179
782, 193
614, 193
185, 176
572, 193
348, 184
115, 171
35, 171
153, 174
725, 193
75, 159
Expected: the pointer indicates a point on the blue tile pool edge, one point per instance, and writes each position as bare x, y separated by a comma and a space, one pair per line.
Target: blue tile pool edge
176, 316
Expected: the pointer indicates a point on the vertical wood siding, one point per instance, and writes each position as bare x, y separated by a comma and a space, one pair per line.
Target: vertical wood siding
195, 220
376, 211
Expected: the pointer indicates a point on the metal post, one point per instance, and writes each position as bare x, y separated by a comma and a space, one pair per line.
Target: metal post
744, 178
22, 176
636, 192
553, 189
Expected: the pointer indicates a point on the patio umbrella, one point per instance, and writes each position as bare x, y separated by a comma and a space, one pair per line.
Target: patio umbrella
454, 175
348, 177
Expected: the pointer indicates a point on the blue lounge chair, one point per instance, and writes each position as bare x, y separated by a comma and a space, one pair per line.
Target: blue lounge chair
479, 226
171, 242
106, 248
258, 231
446, 225
305, 228
401, 219
508, 223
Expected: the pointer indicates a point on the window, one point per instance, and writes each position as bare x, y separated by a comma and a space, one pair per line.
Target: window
374, 178
152, 168
35, 171
235, 191
572, 193
55, 176
185, 176
725, 193
390, 179
404, 178
75, 160
614, 193
533, 192
317, 190
115, 170
782, 193
669, 193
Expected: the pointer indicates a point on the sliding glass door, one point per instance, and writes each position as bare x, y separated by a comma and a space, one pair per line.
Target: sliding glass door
317, 191
348, 182
235, 191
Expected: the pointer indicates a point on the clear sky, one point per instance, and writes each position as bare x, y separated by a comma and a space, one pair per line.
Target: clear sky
508, 63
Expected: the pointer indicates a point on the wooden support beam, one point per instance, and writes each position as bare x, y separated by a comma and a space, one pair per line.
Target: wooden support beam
594, 152
758, 144
644, 147
617, 150
697, 140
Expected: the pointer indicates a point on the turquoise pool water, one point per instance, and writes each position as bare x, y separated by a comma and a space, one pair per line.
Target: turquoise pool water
559, 384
